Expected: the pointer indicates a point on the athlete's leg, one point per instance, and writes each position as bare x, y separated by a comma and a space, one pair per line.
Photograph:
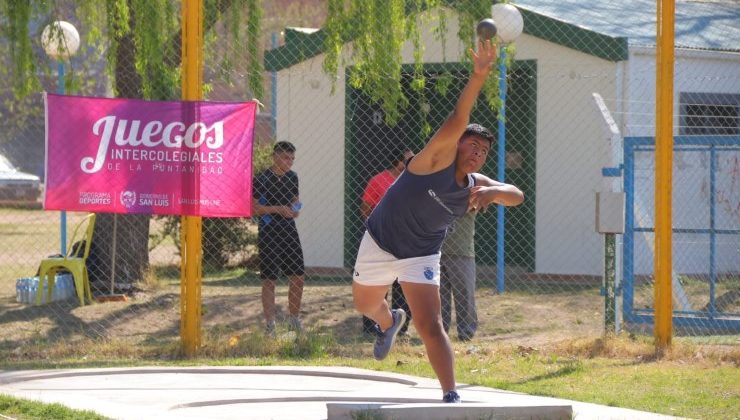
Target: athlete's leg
398, 301
445, 293
371, 302
424, 302
295, 294
373, 275
293, 267
268, 300
269, 260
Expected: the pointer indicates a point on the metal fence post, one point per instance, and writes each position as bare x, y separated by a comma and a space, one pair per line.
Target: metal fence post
191, 242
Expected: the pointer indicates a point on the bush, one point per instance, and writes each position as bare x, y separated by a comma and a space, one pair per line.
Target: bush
226, 241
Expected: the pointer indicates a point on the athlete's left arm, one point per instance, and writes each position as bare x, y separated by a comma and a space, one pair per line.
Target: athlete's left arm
488, 191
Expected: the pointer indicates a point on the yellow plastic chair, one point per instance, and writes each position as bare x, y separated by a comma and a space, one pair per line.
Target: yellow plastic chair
72, 263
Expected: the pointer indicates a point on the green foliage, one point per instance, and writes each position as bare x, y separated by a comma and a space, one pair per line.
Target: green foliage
146, 36
117, 25
379, 29
17, 407
334, 39
222, 237
440, 31
254, 30
378, 66
16, 30
307, 345
160, 80
261, 157
152, 25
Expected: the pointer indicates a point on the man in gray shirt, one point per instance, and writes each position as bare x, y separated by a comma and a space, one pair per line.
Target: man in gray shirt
457, 277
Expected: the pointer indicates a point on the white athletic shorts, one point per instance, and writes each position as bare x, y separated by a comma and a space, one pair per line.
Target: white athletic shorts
375, 267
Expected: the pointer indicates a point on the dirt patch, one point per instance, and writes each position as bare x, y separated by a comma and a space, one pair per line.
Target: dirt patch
232, 306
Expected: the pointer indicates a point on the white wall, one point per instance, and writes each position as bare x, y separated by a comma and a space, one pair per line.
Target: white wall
696, 71
571, 150
313, 120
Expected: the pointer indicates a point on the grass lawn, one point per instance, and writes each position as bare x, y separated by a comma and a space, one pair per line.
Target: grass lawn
539, 338
20, 409
688, 381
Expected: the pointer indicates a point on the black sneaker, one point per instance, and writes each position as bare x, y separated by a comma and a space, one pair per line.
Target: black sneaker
451, 397
385, 339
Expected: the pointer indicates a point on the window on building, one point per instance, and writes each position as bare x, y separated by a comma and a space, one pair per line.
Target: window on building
709, 113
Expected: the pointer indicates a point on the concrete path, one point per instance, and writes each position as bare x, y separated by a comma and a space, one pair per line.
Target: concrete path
273, 392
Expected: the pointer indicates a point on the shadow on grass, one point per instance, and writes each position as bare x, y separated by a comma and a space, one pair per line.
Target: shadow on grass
66, 325
569, 369
239, 277
540, 287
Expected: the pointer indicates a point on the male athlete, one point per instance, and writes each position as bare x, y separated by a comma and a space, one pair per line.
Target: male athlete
406, 230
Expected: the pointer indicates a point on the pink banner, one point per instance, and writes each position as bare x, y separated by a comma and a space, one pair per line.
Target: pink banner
135, 156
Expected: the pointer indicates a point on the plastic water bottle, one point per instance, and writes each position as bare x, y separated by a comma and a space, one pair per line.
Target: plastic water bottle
68, 289
18, 287
24, 290
33, 291
56, 292
30, 289
61, 287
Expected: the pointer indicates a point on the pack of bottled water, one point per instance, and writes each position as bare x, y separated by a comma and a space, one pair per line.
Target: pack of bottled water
27, 287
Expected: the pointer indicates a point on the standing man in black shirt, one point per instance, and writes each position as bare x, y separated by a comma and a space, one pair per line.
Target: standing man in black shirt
275, 199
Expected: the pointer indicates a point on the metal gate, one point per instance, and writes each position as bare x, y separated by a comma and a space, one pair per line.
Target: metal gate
706, 233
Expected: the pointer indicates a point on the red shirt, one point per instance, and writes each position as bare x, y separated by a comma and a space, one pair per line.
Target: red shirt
376, 188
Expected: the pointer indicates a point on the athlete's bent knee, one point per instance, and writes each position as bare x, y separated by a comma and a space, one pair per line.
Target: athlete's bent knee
429, 326
361, 303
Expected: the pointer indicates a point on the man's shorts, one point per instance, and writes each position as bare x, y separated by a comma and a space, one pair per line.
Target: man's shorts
375, 267
280, 252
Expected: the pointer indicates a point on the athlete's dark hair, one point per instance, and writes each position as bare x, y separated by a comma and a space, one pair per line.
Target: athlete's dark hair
478, 130
283, 146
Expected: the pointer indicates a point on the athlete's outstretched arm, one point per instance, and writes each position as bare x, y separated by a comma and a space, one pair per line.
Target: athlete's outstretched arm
441, 149
488, 191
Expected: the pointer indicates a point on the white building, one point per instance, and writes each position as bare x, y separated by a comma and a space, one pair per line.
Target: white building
556, 146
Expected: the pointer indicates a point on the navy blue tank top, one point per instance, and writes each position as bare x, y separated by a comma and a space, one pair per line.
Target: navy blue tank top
412, 218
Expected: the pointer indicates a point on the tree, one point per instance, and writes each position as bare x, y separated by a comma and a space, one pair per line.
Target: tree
141, 40
379, 28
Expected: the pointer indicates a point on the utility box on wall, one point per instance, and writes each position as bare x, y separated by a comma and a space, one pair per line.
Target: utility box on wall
610, 212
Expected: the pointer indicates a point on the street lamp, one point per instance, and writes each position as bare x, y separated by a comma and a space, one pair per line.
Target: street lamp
510, 24
61, 40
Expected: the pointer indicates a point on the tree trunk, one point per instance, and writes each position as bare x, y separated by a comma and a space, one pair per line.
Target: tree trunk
131, 231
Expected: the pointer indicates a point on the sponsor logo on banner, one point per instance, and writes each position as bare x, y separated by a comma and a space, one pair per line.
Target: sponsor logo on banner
128, 199
95, 198
154, 200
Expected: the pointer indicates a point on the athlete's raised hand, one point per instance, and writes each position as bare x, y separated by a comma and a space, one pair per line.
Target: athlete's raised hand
484, 58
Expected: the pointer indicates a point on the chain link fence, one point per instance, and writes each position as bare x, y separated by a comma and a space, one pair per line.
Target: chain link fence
556, 151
